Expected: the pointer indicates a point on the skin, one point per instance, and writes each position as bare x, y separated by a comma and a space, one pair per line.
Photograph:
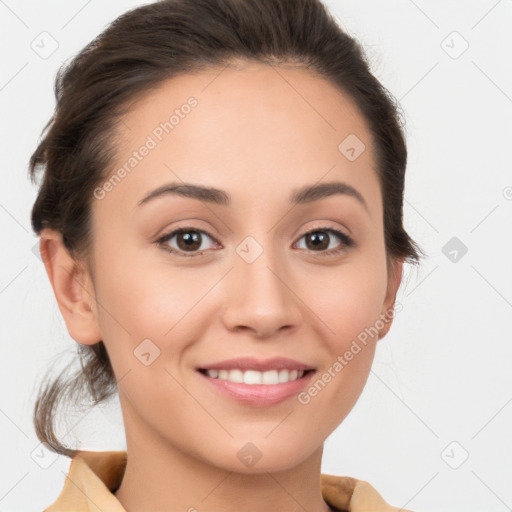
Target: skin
255, 137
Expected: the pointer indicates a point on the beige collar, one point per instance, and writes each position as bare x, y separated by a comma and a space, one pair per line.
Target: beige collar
94, 476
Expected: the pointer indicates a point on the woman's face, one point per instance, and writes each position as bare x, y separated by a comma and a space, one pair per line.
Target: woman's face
244, 279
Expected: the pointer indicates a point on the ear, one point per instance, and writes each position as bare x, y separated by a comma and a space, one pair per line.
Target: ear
394, 279
72, 286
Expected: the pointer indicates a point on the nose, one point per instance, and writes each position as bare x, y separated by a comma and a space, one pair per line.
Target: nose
259, 298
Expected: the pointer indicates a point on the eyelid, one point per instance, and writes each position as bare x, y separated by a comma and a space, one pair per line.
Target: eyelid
168, 235
346, 240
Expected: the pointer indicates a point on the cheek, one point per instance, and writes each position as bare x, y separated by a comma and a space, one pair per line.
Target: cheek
151, 306
146, 327
137, 301
348, 301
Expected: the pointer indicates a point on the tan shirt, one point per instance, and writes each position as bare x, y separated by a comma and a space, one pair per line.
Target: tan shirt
94, 476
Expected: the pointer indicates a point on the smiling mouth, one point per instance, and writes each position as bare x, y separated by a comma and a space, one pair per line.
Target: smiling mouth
254, 377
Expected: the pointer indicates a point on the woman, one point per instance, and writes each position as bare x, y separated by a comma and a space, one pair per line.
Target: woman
221, 222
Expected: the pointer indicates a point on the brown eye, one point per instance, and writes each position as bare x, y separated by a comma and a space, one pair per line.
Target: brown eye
320, 239
188, 240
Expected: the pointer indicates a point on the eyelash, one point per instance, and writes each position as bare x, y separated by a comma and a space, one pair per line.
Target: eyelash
347, 241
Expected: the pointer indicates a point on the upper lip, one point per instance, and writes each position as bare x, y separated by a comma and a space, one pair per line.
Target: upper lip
251, 363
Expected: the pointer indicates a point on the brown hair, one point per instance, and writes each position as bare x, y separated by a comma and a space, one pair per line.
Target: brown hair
136, 53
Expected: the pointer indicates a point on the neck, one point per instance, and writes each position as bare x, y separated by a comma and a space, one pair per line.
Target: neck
159, 476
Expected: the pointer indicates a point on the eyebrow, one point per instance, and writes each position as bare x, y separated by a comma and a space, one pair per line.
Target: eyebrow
303, 195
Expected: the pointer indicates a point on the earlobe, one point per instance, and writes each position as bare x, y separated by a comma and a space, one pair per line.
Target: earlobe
72, 287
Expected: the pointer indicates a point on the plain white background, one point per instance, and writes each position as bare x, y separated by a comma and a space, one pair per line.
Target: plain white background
431, 431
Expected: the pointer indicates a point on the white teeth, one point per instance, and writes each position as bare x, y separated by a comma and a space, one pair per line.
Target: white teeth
256, 377
270, 377
235, 376
250, 376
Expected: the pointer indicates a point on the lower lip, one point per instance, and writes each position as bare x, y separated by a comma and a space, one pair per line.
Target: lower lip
259, 395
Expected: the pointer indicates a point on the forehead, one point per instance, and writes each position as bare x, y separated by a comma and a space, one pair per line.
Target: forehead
247, 127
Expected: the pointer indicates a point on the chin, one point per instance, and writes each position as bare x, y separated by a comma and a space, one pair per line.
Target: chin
261, 456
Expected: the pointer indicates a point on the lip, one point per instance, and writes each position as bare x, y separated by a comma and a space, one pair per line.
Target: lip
258, 395
252, 363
